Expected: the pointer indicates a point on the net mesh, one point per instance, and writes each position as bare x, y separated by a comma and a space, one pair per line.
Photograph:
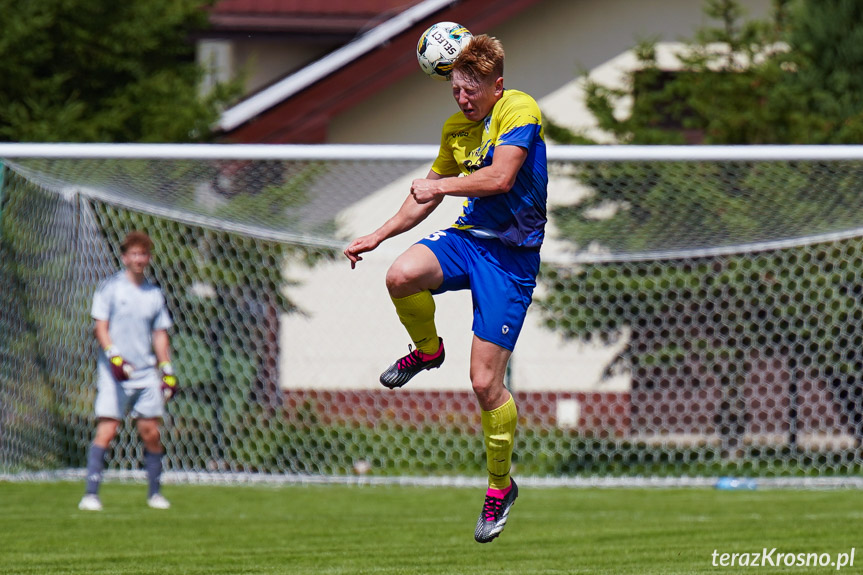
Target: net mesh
692, 319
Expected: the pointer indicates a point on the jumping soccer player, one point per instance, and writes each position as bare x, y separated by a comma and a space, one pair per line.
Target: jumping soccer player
134, 369
495, 141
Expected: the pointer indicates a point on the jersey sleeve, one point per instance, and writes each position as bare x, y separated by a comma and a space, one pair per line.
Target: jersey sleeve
163, 318
520, 122
101, 308
445, 164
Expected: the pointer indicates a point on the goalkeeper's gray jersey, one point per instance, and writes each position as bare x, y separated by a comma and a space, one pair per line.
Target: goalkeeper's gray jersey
133, 312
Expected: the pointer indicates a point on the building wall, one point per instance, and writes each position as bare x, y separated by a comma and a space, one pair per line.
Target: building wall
267, 60
259, 62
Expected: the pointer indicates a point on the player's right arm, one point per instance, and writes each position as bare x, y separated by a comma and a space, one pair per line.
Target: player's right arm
409, 215
101, 332
120, 368
101, 312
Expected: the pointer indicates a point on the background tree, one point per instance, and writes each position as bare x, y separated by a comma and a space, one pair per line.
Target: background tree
790, 80
823, 94
102, 71
705, 326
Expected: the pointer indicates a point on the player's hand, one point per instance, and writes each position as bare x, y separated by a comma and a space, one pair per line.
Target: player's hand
121, 369
169, 380
360, 245
424, 190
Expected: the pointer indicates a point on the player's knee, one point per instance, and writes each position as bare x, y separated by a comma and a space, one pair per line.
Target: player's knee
153, 444
393, 278
150, 436
106, 430
399, 277
483, 382
489, 387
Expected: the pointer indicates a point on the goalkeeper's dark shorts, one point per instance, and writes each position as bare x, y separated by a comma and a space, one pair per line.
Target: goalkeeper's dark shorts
501, 280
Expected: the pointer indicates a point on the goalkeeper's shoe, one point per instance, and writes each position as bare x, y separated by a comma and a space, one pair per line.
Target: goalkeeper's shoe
405, 368
158, 501
495, 512
90, 502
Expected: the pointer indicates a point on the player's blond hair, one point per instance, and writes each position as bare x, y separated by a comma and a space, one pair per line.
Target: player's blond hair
481, 58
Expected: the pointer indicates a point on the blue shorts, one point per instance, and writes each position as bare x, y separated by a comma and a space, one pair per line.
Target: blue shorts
501, 280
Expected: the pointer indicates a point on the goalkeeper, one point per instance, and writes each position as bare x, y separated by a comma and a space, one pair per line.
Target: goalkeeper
495, 141
134, 368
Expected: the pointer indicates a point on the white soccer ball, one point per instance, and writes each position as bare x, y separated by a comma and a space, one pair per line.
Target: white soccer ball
439, 46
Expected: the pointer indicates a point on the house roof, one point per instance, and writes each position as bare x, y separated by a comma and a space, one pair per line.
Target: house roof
310, 6
298, 108
305, 17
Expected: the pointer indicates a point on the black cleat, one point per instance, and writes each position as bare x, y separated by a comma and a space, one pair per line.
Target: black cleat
404, 369
494, 514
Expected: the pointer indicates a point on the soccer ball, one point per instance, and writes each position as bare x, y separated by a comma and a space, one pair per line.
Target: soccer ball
439, 46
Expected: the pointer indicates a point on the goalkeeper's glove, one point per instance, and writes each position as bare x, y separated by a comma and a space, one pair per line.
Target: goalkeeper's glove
120, 368
169, 380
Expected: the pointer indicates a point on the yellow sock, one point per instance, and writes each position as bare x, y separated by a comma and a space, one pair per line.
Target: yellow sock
416, 313
498, 427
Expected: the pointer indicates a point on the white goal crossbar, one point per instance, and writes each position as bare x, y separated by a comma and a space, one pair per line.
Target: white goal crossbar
426, 152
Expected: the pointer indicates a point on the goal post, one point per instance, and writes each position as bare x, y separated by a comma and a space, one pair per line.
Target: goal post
697, 314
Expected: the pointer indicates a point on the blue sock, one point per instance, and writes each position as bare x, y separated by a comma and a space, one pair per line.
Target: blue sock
153, 464
95, 466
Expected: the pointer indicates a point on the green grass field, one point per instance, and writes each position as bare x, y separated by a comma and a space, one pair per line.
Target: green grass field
334, 529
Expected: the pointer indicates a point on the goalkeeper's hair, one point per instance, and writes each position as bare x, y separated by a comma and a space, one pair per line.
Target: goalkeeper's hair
481, 58
136, 239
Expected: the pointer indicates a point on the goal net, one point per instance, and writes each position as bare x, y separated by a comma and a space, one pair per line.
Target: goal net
697, 315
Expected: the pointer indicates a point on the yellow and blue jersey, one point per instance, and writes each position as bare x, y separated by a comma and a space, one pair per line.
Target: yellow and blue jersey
517, 217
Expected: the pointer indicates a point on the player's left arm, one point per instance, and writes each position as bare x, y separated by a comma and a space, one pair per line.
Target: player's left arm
497, 178
162, 345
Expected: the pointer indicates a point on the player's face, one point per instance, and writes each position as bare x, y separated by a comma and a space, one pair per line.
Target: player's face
475, 98
136, 259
